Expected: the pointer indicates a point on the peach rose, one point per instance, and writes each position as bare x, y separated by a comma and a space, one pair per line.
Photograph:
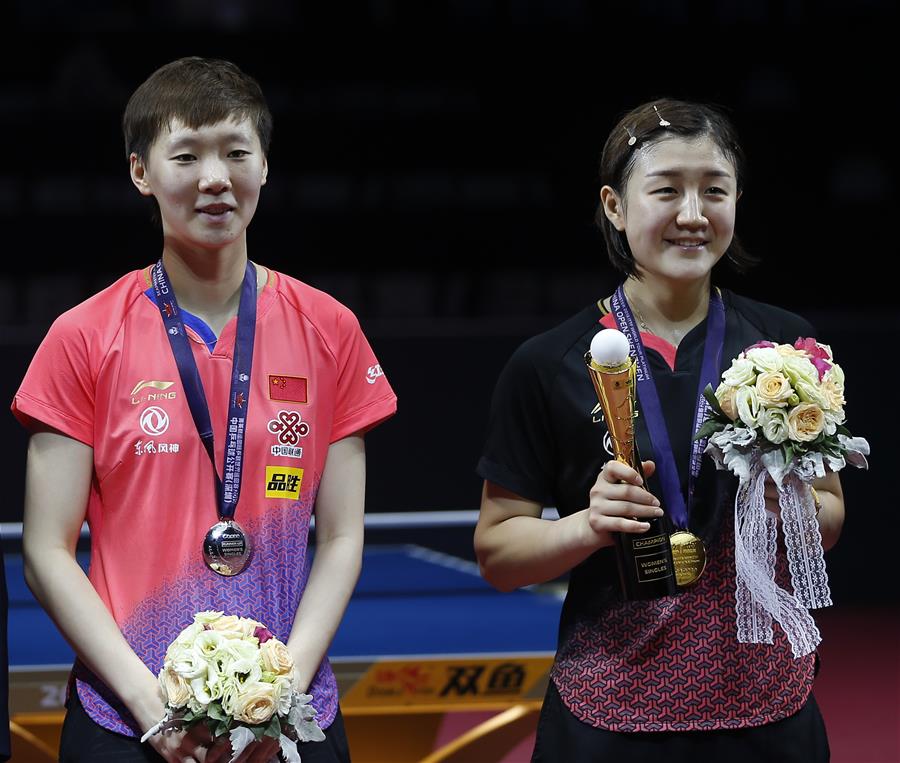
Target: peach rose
232, 626
725, 396
256, 703
175, 689
773, 389
806, 422
276, 658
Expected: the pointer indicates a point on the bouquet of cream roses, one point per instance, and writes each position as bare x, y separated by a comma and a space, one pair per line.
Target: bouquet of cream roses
232, 674
779, 413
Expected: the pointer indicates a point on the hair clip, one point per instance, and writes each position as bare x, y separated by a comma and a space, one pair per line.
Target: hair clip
662, 122
631, 139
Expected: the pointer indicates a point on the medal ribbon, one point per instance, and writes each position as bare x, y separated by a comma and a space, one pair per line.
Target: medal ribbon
228, 488
675, 502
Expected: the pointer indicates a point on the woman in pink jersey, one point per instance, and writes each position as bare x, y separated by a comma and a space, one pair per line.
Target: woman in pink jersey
664, 678
115, 399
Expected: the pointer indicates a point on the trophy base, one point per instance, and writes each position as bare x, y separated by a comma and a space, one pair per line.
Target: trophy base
646, 568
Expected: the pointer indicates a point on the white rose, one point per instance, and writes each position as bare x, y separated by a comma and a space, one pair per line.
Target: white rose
257, 703
184, 639
774, 423
741, 372
200, 691
206, 617
806, 422
832, 419
747, 405
773, 389
767, 359
241, 650
229, 698
208, 644
175, 688
242, 672
284, 687
800, 369
835, 374
187, 663
811, 393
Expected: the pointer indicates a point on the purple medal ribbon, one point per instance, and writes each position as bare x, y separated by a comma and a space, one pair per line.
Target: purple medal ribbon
675, 502
228, 489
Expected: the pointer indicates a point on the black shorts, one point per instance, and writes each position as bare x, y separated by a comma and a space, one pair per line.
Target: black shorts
562, 738
85, 741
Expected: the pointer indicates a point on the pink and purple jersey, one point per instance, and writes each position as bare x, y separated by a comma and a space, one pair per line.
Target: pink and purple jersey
105, 376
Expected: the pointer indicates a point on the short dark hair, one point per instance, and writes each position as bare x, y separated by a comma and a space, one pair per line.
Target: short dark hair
641, 127
197, 92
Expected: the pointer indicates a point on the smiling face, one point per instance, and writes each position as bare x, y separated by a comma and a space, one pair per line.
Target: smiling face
678, 208
206, 181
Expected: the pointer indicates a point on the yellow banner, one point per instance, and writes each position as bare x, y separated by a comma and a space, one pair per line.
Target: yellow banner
427, 682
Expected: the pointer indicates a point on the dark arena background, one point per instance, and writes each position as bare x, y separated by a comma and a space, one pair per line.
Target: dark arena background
434, 167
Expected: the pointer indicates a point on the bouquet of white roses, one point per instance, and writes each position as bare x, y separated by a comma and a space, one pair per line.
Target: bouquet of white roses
779, 413
232, 674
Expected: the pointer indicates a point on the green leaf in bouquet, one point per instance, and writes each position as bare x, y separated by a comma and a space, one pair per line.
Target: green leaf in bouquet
789, 451
258, 731
189, 717
274, 728
214, 710
709, 427
220, 730
710, 394
841, 429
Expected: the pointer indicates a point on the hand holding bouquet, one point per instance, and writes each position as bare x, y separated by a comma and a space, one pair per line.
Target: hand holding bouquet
779, 413
232, 674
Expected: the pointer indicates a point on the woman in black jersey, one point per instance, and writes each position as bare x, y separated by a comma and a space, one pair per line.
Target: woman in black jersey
666, 678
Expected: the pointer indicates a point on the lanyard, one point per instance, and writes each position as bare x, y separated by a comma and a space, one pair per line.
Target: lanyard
228, 488
675, 502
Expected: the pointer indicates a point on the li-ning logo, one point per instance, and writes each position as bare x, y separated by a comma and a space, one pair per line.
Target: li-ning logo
373, 373
154, 421
155, 390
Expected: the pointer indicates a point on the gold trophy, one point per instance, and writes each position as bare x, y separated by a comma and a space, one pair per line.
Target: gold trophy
646, 570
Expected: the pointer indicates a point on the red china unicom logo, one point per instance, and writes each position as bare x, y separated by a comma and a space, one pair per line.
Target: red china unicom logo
289, 427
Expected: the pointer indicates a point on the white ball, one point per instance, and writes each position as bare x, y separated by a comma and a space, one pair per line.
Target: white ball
609, 348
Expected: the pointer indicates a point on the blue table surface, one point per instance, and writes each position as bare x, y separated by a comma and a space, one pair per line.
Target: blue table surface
409, 601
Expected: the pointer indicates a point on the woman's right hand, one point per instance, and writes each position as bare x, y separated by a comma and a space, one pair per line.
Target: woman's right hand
189, 746
619, 502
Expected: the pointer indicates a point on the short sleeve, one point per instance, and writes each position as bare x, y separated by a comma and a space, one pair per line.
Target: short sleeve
364, 397
59, 387
519, 453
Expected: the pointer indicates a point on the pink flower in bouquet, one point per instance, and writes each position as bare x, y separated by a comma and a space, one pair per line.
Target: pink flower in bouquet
818, 355
263, 634
760, 345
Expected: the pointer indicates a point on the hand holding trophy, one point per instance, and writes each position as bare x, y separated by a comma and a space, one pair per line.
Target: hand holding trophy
646, 569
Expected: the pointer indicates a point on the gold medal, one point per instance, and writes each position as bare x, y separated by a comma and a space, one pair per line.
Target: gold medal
689, 555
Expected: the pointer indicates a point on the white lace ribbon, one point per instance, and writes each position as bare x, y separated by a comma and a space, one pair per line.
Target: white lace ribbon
759, 599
